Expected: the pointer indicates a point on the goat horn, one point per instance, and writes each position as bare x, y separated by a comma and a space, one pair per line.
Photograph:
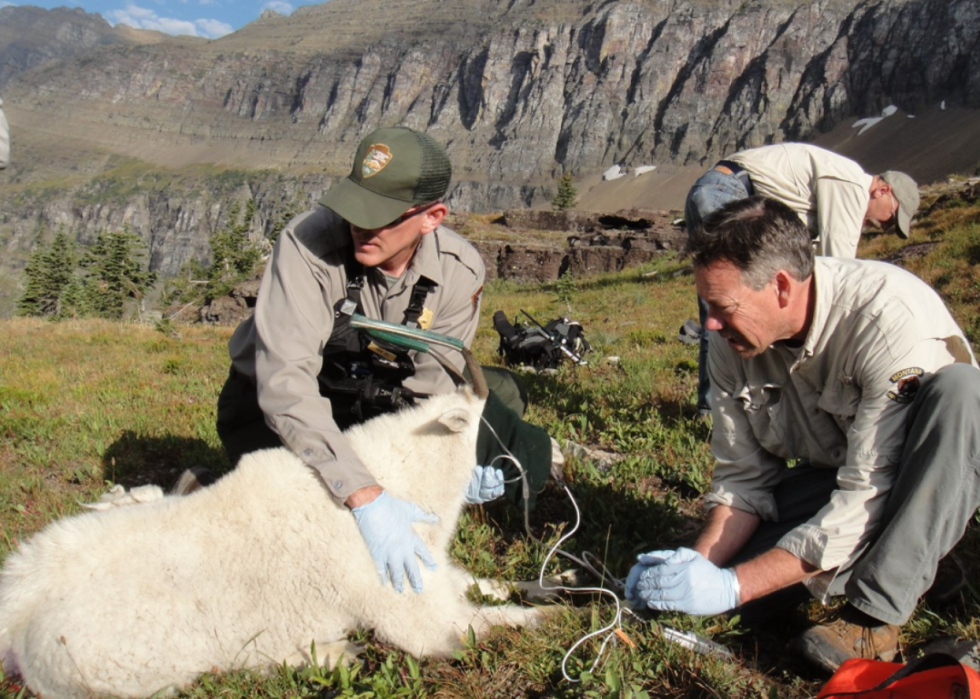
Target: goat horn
476, 374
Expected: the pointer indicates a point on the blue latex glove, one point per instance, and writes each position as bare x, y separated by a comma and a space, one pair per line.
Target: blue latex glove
683, 581
386, 525
644, 561
486, 484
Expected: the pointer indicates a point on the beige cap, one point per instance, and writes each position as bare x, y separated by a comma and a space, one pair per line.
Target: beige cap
906, 193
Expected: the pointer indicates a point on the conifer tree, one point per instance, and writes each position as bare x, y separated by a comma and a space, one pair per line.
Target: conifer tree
234, 258
73, 303
62, 264
189, 287
34, 298
49, 272
115, 274
567, 196
233, 254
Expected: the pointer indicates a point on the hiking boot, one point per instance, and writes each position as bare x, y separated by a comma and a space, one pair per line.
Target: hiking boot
194, 478
950, 580
853, 635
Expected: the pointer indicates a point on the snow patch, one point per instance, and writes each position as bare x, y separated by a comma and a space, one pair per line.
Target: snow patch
613, 173
868, 122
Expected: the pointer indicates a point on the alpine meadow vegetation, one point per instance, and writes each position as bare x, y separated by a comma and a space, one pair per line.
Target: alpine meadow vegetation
86, 403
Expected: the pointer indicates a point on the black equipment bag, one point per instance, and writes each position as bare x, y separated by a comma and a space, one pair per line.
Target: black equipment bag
540, 346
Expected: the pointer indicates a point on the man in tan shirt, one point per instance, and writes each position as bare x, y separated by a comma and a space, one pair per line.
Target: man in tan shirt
833, 196
846, 409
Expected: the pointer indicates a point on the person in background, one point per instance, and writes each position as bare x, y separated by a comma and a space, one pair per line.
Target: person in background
846, 432
833, 196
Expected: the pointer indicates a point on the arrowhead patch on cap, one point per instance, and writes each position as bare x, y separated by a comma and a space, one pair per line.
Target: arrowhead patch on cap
374, 162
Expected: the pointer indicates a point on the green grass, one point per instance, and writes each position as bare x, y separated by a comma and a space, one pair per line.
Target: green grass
85, 404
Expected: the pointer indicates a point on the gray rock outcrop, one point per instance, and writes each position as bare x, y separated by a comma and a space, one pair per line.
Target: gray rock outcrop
519, 92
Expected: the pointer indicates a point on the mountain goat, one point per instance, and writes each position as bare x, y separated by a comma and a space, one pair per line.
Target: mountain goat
245, 573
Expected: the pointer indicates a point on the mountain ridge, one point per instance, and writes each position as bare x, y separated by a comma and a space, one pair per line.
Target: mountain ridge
519, 92
529, 98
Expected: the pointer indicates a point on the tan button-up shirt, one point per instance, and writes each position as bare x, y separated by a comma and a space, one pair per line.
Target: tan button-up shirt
839, 401
829, 192
281, 346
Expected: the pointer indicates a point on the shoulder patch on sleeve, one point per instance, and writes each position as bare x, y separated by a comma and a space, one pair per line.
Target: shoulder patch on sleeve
907, 382
476, 300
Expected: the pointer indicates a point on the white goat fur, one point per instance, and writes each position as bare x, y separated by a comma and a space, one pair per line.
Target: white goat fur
244, 573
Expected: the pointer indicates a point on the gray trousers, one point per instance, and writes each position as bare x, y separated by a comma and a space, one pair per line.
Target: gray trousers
712, 191
936, 493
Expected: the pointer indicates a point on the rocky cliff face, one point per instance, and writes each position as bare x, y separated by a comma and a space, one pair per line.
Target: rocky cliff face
627, 81
518, 91
175, 214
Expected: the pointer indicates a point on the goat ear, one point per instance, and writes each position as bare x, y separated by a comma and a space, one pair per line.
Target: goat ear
456, 420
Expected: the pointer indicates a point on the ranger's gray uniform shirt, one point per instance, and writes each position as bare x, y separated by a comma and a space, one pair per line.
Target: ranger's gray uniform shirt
281, 346
830, 193
838, 401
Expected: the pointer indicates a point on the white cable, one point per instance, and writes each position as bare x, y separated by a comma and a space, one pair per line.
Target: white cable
617, 621
526, 487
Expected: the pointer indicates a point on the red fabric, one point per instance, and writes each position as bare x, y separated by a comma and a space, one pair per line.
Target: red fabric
864, 678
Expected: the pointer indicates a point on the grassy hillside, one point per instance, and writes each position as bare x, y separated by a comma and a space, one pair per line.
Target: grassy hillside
87, 404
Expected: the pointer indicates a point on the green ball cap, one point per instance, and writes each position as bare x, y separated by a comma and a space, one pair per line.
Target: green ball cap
394, 170
906, 192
